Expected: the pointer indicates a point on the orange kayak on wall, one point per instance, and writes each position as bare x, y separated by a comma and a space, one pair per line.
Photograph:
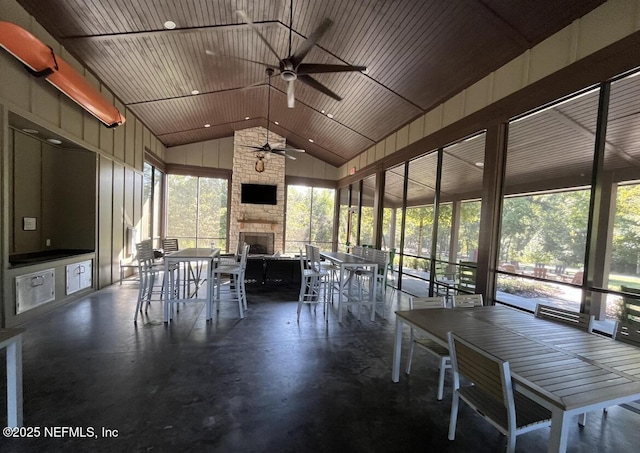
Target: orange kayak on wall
41, 61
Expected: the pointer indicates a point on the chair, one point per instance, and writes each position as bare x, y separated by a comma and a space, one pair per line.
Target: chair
148, 270
467, 300
364, 276
582, 321
467, 275
314, 280
491, 394
235, 288
540, 271
630, 305
627, 332
441, 352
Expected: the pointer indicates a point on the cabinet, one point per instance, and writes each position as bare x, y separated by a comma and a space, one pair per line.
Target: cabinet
35, 289
79, 276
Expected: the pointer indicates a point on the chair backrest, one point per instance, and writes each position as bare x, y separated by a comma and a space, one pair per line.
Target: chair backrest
488, 373
357, 250
540, 270
144, 254
467, 300
170, 245
630, 305
313, 257
417, 303
628, 332
467, 275
581, 321
243, 256
577, 278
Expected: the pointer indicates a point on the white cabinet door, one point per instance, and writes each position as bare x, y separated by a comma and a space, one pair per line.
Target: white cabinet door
79, 276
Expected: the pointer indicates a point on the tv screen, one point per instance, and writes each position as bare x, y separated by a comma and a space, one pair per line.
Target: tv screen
258, 194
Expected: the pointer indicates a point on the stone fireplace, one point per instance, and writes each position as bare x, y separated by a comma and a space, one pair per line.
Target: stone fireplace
260, 243
262, 224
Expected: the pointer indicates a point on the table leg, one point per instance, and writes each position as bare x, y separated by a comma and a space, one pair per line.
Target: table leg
374, 293
559, 431
14, 382
165, 293
210, 284
397, 351
341, 288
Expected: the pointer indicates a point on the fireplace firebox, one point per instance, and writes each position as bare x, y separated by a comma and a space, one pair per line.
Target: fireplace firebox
259, 243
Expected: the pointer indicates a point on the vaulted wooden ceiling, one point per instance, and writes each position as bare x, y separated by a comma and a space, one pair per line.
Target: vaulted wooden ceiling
418, 53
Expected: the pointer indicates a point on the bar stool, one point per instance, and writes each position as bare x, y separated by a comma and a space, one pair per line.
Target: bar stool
313, 286
234, 289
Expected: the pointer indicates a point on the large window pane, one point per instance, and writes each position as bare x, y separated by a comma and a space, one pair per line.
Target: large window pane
343, 222
309, 217
392, 218
546, 204
418, 230
366, 211
197, 211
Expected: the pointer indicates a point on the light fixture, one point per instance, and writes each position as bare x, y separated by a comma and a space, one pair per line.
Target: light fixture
276, 123
259, 163
480, 164
54, 141
246, 117
207, 125
311, 140
195, 92
29, 131
322, 111
169, 25
330, 116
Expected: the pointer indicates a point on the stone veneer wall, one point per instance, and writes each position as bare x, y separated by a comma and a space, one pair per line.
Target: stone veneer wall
244, 172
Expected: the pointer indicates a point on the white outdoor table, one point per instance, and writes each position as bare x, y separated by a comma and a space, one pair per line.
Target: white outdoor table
11, 339
348, 261
566, 370
202, 255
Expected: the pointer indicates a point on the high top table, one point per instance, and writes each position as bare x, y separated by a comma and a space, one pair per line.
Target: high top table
566, 370
202, 255
12, 340
348, 261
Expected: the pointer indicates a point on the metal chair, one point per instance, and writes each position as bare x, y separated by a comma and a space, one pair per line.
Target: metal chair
235, 287
581, 321
491, 394
441, 352
467, 300
148, 271
314, 281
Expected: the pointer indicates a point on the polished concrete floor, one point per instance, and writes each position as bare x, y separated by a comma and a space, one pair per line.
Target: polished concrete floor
262, 384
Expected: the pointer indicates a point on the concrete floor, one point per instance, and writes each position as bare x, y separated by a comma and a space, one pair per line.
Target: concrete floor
261, 384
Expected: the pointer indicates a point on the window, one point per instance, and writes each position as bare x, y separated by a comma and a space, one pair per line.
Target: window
197, 211
309, 217
152, 193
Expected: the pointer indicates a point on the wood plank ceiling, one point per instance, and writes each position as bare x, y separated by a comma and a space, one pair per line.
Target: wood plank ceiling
418, 53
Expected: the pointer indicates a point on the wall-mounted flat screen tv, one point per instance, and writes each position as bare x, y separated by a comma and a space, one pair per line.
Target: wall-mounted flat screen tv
258, 194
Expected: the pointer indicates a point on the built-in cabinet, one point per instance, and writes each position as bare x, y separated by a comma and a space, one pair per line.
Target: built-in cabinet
79, 276
35, 289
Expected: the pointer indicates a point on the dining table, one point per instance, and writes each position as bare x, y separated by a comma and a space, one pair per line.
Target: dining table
200, 256
567, 370
347, 264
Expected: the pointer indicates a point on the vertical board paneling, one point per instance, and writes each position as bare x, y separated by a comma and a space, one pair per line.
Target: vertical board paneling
105, 221
118, 219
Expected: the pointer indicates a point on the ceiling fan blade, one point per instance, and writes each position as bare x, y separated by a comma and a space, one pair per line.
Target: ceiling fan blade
281, 152
260, 148
291, 99
255, 29
311, 41
267, 65
318, 86
287, 149
312, 68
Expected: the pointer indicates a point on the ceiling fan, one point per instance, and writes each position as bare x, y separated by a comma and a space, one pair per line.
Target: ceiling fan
266, 148
292, 68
